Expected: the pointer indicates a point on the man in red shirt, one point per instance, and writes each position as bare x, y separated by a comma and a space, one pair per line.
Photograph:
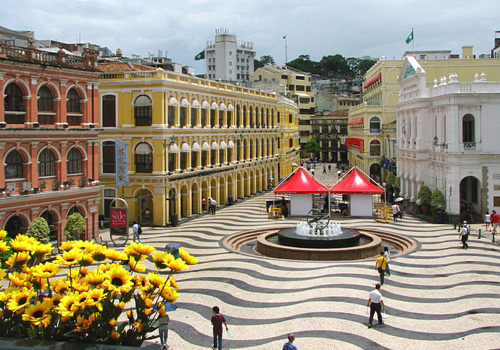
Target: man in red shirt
494, 223
217, 321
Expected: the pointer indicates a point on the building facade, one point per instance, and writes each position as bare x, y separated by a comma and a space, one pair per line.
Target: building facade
298, 88
330, 130
189, 139
48, 140
447, 138
226, 59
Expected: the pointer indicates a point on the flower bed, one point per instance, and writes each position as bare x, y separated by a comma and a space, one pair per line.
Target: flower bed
85, 305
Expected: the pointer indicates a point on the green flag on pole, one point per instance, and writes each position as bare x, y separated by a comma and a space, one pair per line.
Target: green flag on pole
200, 56
409, 39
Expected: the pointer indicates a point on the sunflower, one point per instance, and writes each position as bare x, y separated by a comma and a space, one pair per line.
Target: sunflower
113, 322
170, 294
3, 233
59, 286
138, 325
147, 300
3, 246
161, 260
161, 310
19, 244
83, 322
156, 280
39, 283
143, 249
41, 250
20, 299
18, 279
98, 252
38, 313
188, 258
86, 260
56, 299
174, 284
142, 282
69, 258
95, 297
115, 335
2, 274
68, 245
178, 265
95, 278
118, 279
115, 255
135, 266
19, 259
68, 305
81, 299
46, 270
79, 285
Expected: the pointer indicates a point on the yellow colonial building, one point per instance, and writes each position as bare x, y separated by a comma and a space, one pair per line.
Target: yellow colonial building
187, 139
372, 125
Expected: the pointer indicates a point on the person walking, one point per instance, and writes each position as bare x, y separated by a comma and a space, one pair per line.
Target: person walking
136, 228
464, 235
387, 256
395, 212
163, 330
213, 206
494, 222
203, 204
380, 266
329, 167
289, 345
324, 168
487, 220
217, 321
375, 303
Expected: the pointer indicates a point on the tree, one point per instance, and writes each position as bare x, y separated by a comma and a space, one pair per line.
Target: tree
390, 179
424, 195
75, 226
365, 65
40, 230
304, 64
257, 64
267, 59
437, 199
312, 146
335, 66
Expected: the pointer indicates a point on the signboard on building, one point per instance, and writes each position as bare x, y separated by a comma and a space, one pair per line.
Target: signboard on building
119, 222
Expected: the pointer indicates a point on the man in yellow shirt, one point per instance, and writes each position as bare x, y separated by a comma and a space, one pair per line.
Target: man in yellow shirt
380, 265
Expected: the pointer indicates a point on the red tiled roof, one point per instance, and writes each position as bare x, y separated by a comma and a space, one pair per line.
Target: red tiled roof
123, 67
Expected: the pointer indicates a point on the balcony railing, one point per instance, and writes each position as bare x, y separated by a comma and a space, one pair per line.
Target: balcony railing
44, 119
469, 146
74, 119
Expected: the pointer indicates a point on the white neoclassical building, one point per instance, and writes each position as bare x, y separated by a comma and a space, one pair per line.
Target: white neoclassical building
448, 138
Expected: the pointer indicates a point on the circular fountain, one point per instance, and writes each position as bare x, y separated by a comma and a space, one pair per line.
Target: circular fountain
319, 235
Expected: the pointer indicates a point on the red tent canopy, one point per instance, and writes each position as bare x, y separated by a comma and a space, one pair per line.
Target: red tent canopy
301, 182
356, 183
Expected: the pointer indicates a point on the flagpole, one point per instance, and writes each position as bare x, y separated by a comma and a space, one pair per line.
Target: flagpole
286, 50
413, 42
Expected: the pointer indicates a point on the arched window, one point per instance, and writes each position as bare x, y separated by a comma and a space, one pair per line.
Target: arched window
73, 101
109, 111
46, 163
45, 99
375, 125
183, 113
14, 165
108, 157
375, 148
13, 101
143, 158
468, 129
74, 210
74, 162
143, 111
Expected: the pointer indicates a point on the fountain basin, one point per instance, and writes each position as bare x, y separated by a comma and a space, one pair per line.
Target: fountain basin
370, 249
348, 238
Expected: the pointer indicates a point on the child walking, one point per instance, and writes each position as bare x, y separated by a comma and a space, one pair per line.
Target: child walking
217, 321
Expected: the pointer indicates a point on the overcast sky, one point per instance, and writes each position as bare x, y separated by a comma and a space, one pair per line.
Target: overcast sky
352, 28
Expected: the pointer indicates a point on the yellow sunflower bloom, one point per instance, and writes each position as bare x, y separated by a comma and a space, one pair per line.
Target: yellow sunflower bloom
161, 260
178, 265
135, 266
115, 255
3, 246
147, 311
42, 249
2, 274
144, 249
3, 233
19, 259
130, 314
81, 299
18, 279
80, 285
95, 297
20, 299
56, 299
59, 286
82, 322
174, 284
38, 313
113, 322
147, 300
68, 305
68, 245
188, 258
69, 258
46, 270
169, 294
83, 272
121, 305
86, 260
118, 279
141, 282
98, 253
20, 245
95, 278
156, 279
115, 335
138, 325
161, 310
39, 283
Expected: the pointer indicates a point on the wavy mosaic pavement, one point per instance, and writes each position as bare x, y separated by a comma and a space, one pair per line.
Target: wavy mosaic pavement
439, 296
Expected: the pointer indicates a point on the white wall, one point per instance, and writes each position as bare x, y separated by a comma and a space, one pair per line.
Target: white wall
300, 204
361, 205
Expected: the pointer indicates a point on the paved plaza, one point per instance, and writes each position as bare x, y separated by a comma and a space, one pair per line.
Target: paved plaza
439, 296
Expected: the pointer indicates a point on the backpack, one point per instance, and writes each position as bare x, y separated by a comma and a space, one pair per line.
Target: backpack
139, 230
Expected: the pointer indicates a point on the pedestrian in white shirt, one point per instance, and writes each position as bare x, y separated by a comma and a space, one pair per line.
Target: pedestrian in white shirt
376, 303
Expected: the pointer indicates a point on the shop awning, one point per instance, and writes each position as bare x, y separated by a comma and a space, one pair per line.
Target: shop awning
376, 78
356, 142
356, 121
301, 182
354, 182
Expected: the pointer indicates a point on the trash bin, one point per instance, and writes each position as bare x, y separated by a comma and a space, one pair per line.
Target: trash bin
173, 219
230, 200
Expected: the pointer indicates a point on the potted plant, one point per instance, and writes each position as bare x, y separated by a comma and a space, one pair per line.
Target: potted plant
75, 226
438, 203
40, 230
424, 195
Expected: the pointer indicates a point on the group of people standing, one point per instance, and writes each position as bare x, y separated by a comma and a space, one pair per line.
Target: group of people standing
212, 205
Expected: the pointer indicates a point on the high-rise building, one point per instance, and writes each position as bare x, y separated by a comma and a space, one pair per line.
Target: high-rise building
48, 140
228, 60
